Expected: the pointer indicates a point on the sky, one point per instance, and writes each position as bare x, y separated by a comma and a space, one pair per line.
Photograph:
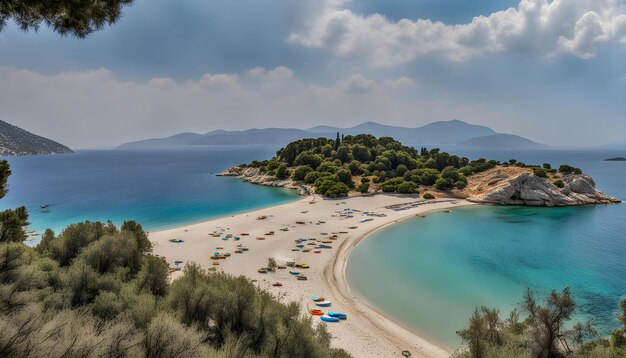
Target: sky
552, 71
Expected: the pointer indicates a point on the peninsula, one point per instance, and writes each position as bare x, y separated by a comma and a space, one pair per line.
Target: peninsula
352, 186
17, 141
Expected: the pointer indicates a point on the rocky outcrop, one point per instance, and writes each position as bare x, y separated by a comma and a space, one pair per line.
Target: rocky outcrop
529, 189
254, 176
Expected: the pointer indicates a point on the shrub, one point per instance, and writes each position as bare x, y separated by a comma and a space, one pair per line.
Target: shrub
407, 187
540, 172
311, 177
559, 183
281, 171
345, 177
428, 196
566, 169
363, 187
300, 172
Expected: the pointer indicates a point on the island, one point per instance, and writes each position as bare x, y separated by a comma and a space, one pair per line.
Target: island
616, 159
17, 141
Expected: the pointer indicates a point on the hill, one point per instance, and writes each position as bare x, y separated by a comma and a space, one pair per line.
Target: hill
436, 133
16, 141
501, 141
618, 145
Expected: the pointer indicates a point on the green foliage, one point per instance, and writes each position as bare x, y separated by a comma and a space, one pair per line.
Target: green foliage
363, 187
77, 18
281, 171
312, 177
345, 176
300, 172
5, 172
566, 169
406, 187
559, 183
540, 172
547, 166
428, 196
12, 223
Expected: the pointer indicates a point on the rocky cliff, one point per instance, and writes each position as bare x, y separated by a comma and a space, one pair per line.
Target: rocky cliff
254, 175
16, 141
525, 188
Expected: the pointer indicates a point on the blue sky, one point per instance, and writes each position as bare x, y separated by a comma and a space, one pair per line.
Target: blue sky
553, 71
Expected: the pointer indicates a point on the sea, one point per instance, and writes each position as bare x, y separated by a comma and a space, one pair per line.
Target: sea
427, 273
430, 273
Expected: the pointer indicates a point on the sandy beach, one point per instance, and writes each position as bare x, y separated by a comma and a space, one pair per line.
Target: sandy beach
366, 332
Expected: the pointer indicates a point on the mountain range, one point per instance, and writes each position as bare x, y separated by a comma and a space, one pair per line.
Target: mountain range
17, 141
453, 132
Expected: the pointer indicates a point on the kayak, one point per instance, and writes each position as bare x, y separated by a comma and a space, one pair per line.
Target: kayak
294, 272
316, 312
326, 318
338, 315
323, 304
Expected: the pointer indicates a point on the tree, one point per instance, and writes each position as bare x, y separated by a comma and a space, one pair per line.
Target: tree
143, 243
281, 172
12, 223
300, 172
78, 18
337, 142
5, 172
345, 176
343, 154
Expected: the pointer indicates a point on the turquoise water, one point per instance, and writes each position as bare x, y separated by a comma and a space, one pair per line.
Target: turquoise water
159, 189
429, 273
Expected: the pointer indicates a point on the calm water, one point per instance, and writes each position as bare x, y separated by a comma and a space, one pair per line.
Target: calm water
433, 271
159, 189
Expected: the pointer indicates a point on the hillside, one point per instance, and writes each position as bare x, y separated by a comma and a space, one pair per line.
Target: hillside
497, 141
16, 141
436, 133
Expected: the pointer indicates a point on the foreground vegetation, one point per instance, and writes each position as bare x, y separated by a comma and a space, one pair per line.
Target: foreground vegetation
363, 162
537, 330
96, 290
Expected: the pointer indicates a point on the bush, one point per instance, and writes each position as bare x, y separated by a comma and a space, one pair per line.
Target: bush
406, 188
281, 172
345, 177
566, 169
311, 177
300, 172
540, 172
363, 187
428, 196
559, 183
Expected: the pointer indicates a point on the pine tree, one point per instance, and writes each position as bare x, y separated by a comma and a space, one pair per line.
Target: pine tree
337, 142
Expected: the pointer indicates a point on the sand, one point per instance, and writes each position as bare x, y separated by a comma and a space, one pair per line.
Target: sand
366, 332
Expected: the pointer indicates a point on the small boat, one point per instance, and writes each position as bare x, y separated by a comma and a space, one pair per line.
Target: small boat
316, 312
326, 318
295, 249
323, 303
294, 272
245, 249
306, 250
300, 223
300, 246
177, 241
225, 238
178, 262
277, 284
318, 298
269, 233
262, 217
236, 238
227, 254
238, 251
215, 263
219, 248
261, 271
326, 247
172, 269
44, 206
301, 278
284, 229
244, 234
317, 251
338, 315
260, 238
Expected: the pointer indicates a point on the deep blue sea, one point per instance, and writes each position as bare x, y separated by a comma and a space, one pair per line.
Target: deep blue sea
430, 273
427, 273
159, 189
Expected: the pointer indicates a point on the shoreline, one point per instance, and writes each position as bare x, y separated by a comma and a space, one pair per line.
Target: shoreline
336, 278
367, 332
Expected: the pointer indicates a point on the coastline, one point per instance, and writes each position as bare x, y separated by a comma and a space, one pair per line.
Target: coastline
367, 332
336, 278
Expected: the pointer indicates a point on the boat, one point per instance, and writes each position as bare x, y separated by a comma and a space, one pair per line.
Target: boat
215, 263
261, 271
176, 241
219, 248
227, 254
338, 315
260, 238
323, 303
301, 278
225, 238
294, 272
178, 262
318, 299
44, 206
300, 246
244, 234
238, 251
317, 251
262, 217
306, 250
300, 222
326, 247
284, 229
316, 312
277, 284
326, 318
245, 249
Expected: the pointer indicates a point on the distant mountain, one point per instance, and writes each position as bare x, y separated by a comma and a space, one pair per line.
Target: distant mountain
436, 133
16, 141
496, 141
442, 132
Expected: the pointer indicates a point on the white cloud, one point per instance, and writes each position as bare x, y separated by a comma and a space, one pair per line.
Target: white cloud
577, 27
95, 109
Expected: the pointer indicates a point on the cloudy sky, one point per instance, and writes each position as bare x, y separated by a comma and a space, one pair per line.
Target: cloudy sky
553, 71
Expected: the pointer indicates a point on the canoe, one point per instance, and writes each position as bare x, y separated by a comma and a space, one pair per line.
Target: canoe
318, 299
323, 304
317, 251
244, 234
277, 284
314, 297
338, 315
225, 238
178, 262
300, 246
260, 238
326, 318
301, 278
261, 271
294, 272
316, 312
